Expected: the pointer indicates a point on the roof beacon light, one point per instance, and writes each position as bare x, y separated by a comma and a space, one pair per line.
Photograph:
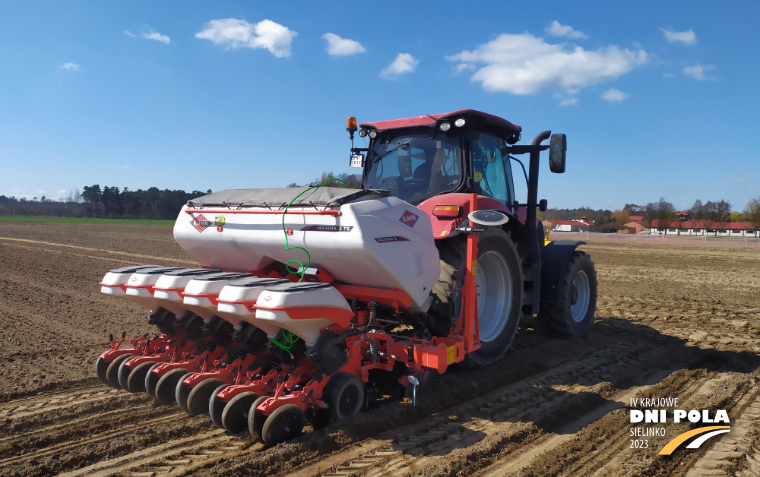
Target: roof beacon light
444, 126
351, 124
459, 122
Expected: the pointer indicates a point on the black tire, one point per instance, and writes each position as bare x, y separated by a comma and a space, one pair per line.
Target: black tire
123, 374
112, 373
284, 424
499, 260
198, 399
256, 419
167, 385
151, 380
344, 395
235, 414
573, 315
216, 406
182, 391
101, 366
136, 380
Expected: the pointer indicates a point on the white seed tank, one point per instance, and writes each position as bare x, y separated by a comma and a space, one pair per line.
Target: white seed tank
359, 237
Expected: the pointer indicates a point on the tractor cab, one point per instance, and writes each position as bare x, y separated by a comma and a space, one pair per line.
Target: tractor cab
422, 157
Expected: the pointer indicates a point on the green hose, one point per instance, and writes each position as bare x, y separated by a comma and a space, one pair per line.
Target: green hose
302, 270
287, 335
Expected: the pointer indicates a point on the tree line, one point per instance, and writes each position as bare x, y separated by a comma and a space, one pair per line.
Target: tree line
106, 202
715, 214
114, 203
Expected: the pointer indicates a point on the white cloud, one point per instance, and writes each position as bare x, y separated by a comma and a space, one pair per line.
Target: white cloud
156, 36
569, 102
564, 30
613, 95
338, 46
698, 71
523, 64
404, 63
70, 66
234, 33
129, 33
688, 38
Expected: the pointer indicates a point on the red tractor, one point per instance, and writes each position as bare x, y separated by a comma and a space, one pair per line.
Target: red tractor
313, 301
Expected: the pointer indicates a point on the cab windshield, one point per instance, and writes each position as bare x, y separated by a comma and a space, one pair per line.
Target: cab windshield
415, 167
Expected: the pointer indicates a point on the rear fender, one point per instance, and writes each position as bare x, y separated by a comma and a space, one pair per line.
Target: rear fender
554, 258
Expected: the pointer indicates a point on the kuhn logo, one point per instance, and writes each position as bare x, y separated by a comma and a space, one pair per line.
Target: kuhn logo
268, 298
409, 219
201, 223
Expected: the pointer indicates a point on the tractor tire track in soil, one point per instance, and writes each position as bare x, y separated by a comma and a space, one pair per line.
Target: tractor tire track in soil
672, 321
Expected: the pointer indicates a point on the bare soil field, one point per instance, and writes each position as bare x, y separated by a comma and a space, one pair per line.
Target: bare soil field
672, 322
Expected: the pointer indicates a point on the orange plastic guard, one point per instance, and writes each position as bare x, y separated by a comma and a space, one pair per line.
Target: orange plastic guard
471, 328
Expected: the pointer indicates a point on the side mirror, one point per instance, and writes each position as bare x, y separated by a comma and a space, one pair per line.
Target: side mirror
557, 150
404, 163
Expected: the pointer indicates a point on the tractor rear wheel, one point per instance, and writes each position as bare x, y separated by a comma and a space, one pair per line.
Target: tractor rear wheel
284, 424
573, 314
499, 281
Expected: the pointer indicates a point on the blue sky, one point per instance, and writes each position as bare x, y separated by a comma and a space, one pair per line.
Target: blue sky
657, 98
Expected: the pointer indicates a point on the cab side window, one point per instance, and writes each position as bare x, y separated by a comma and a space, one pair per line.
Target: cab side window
488, 167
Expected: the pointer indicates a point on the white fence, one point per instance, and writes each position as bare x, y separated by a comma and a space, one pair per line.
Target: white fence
657, 239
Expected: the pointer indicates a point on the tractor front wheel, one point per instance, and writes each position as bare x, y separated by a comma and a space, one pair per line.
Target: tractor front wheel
573, 314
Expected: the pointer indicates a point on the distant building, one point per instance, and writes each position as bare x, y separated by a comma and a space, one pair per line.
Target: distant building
700, 228
568, 225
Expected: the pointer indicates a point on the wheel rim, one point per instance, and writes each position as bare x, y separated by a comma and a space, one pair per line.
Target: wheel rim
136, 380
350, 400
216, 406
494, 290
580, 294
235, 415
198, 399
181, 392
166, 387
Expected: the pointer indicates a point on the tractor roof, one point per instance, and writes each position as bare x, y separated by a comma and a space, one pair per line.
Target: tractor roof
474, 119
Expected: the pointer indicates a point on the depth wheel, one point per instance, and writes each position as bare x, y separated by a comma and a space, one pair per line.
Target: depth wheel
136, 380
198, 399
573, 314
123, 374
344, 395
284, 424
216, 406
166, 386
151, 380
112, 373
182, 391
101, 366
256, 419
499, 282
235, 414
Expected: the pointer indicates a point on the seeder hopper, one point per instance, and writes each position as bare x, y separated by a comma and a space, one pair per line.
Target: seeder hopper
311, 302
